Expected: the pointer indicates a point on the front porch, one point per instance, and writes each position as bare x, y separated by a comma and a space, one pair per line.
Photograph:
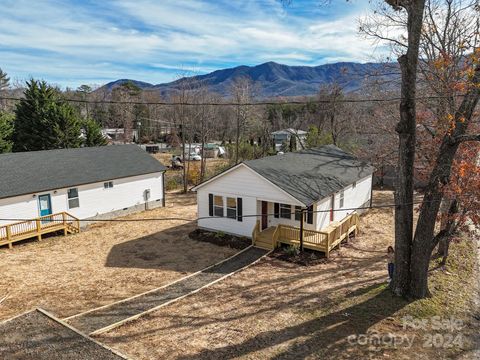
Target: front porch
324, 241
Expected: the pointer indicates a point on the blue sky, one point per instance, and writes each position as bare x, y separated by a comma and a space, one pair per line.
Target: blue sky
70, 43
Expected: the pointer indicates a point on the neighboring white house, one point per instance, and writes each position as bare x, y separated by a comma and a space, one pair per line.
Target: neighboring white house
328, 183
85, 182
284, 138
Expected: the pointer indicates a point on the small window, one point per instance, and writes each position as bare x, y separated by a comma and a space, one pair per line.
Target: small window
298, 213
108, 184
231, 208
218, 206
342, 198
73, 201
354, 185
285, 211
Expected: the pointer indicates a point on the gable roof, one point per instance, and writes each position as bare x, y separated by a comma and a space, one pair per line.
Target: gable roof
36, 171
313, 174
308, 175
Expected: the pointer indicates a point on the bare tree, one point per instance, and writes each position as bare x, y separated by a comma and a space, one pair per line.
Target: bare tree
441, 40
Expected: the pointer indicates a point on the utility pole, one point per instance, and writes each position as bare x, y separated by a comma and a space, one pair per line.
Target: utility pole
302, 219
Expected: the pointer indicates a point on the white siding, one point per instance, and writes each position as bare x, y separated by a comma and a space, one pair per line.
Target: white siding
94, 199
240, 182
322, 214
353, 198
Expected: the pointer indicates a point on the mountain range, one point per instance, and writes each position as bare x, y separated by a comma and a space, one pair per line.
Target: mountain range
274, 80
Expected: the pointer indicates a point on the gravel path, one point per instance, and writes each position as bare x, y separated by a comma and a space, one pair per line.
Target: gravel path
103, 317
38, 336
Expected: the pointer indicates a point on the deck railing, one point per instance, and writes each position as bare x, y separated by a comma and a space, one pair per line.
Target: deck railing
37, 227
324, 240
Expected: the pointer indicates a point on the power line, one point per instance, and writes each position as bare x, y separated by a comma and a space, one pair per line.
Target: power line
259, 103
243, 216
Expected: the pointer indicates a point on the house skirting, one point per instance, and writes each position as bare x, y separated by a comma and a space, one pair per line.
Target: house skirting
122, 212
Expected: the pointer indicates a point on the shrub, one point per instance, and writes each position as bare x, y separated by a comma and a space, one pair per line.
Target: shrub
292, 250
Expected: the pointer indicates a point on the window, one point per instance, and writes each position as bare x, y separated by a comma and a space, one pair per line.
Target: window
218, 206
108, 185
342, 199
231, 208
73, 201
354, 185
285, 211
298, 213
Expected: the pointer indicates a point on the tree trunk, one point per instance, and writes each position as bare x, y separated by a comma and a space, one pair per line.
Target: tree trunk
406, 131
424, 240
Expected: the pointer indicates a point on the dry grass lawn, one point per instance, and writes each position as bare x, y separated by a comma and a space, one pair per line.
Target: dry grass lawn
105, 263
279, 310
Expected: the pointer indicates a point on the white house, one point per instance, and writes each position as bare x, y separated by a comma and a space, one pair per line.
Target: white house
326, 182
284, 137
87, 183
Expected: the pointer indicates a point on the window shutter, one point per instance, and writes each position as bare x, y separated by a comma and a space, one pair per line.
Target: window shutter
276, 210
239, 209
310, 215
210, 204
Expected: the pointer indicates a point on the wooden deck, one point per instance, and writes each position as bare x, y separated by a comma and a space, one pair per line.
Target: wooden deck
323, 241
35, 228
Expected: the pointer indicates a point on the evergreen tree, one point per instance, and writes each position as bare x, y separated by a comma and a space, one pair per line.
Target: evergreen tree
6, 132
44, 121
4, 80
93, 133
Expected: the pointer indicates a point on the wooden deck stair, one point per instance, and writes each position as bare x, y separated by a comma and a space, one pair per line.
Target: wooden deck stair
35, 228
264, 239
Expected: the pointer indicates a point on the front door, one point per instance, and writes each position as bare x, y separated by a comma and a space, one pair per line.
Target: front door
264, 215
44, 204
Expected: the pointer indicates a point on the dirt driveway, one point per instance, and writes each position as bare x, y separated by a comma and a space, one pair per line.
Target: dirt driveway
105, 263
273, 308
279, 310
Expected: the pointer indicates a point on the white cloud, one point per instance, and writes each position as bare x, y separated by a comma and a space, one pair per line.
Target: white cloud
149, 40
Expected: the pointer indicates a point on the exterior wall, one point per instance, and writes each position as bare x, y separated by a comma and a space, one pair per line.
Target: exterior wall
322, 215
245, 183
240, 182
95, 201
353, 198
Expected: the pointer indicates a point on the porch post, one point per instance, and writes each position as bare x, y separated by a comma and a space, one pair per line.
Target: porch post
302, 219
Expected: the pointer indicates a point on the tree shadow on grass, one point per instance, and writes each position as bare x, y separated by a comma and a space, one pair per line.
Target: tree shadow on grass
169, 249
323, 336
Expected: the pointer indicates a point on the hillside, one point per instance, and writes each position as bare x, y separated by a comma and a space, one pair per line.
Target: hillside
275, 79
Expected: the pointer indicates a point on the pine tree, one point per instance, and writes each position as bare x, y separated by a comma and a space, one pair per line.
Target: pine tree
44, 121
93, 133
4, 80
6, 132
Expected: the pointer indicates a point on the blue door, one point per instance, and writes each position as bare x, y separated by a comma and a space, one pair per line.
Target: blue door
44, 204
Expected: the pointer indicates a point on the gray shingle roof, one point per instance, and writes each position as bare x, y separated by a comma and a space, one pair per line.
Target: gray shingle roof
313, 174
36, 171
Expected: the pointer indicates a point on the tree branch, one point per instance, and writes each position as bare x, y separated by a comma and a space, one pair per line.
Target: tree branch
463, 138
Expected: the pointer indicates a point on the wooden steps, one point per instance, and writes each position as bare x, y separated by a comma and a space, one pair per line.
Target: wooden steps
264, 240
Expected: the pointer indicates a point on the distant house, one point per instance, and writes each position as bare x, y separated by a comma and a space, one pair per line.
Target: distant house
326, 183
87, 183
286, 137
118, 135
